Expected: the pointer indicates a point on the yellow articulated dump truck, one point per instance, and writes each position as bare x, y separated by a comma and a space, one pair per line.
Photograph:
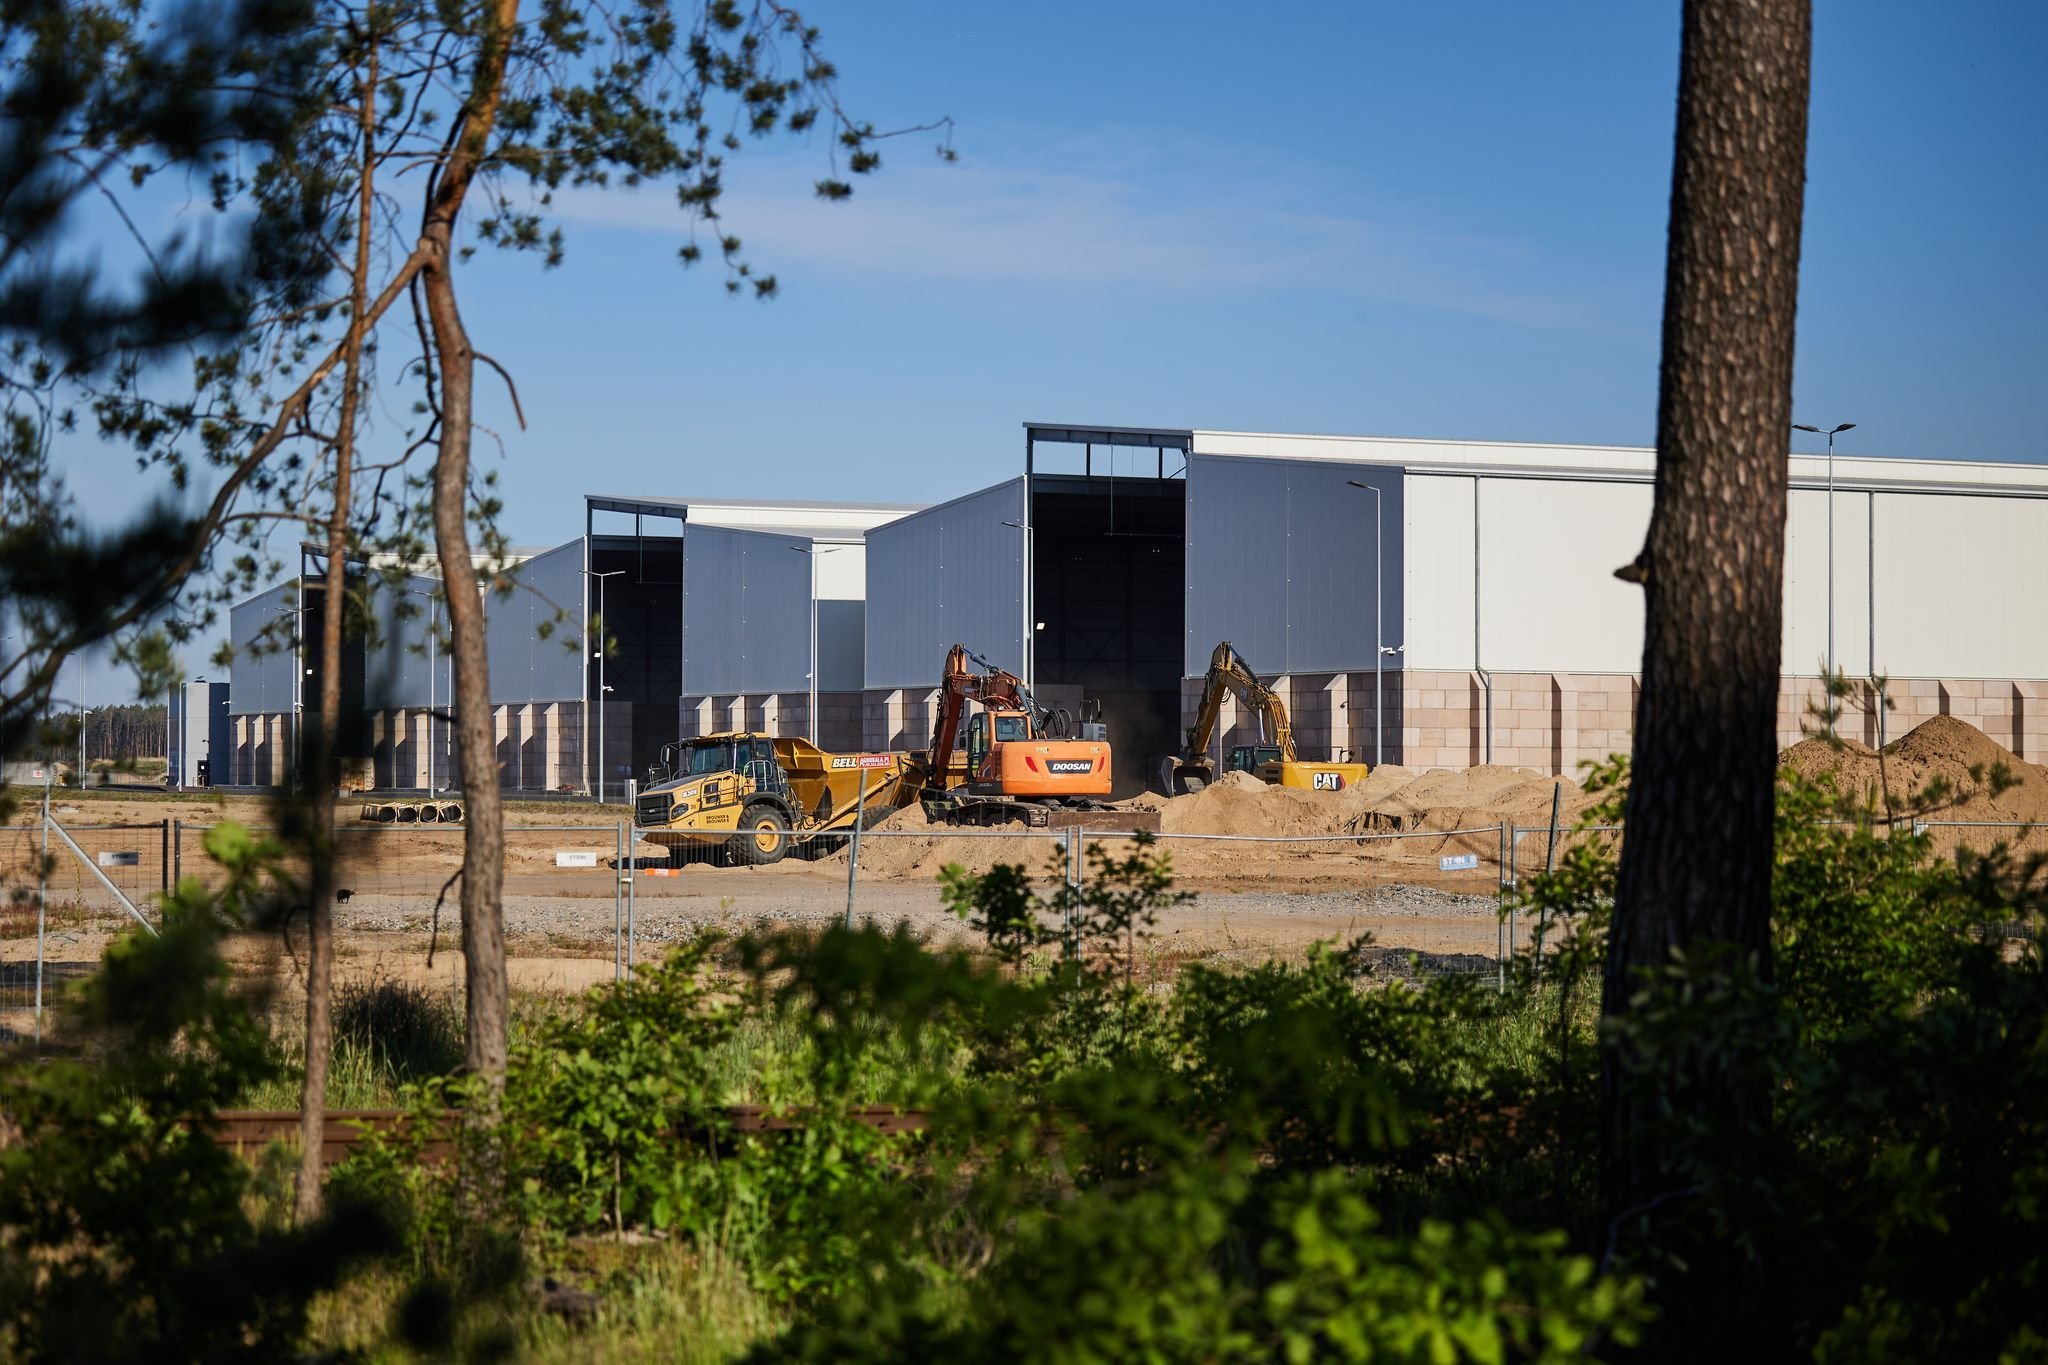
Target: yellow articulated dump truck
755, 798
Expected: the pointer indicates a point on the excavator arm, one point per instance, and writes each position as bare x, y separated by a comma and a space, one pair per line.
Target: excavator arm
1229, 675
961, 684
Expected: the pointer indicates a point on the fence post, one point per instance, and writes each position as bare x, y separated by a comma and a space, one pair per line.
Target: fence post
163, 865
860, 817
1070, 947
1506, 932
619, 875
1549, 866
42, 908
632, 890
177, 851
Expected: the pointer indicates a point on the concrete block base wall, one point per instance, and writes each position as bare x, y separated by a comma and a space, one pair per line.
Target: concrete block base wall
540, 747
776, 713
1554, 722
1333, 715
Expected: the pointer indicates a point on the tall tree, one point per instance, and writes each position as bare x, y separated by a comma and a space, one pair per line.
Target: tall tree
361, 50
1695, 873
584, 94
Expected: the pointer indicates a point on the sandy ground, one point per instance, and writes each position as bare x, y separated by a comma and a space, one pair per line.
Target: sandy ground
1274, 869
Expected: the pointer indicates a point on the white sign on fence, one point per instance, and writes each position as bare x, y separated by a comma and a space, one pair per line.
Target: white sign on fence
1458, 862
569, 858
124, 859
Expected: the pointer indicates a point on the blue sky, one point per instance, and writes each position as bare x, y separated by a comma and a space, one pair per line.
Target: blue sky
1422, 220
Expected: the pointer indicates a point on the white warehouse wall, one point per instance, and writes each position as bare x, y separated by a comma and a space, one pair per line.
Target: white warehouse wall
1548, 597
1959, 586
1955, 573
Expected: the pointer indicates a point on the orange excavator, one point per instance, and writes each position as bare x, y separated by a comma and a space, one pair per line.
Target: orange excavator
1018, 763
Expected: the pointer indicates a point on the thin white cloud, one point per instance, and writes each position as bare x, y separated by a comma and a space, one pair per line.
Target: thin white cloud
1104, 212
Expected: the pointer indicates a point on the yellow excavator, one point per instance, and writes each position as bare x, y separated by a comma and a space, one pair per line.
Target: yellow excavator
1271, 760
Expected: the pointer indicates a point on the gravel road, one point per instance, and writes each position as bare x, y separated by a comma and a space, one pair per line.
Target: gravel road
1399, 915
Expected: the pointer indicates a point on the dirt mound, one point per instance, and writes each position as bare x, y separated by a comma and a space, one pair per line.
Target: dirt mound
1940, 748
1391, 800
906, 844
1238, 803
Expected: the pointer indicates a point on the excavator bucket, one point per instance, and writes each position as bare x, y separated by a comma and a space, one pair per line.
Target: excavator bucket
1181, 776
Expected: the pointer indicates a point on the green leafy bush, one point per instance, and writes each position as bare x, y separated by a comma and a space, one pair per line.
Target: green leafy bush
125, 1233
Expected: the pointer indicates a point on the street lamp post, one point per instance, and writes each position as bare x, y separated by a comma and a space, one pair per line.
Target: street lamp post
1379, 648
811, 714
1829, 432
602, 691
433, 788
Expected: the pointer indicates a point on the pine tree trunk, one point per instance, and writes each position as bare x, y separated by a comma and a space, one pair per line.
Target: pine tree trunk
1696, 862
483, 852
326, 768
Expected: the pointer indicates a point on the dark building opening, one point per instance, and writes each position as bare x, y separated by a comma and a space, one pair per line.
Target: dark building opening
352, 738
643, 616
1108, 588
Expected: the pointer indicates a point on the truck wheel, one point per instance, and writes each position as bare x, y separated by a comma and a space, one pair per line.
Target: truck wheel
763, 836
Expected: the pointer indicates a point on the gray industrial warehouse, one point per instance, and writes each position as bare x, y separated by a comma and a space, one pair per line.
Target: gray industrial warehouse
1430, 603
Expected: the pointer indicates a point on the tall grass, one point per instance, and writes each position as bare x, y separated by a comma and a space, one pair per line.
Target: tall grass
386, 1033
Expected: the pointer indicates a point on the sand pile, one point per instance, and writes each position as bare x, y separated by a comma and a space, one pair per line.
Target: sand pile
1940, 747
1392, 800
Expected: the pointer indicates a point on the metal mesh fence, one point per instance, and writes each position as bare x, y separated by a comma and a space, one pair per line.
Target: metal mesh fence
1427, 902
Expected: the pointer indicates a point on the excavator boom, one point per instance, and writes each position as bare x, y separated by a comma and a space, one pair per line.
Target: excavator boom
1273, 758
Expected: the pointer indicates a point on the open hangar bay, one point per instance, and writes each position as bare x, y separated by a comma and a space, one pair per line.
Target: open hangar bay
1479, 575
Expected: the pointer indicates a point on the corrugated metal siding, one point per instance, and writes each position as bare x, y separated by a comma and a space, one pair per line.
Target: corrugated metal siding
746, 612
842, 633
395, 668
262, 682
952, 574
533, 634
1280, 563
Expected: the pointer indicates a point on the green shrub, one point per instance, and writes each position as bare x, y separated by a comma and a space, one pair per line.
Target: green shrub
125, 1233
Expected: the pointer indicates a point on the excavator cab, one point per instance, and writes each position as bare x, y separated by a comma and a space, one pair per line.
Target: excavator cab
987, 730
1251, 758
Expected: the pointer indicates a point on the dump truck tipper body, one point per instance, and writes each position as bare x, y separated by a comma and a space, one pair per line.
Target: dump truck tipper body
755, 797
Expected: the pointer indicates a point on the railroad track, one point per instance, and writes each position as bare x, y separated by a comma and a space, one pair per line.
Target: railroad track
248, 1131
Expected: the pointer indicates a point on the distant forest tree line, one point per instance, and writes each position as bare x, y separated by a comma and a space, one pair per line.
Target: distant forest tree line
118, 733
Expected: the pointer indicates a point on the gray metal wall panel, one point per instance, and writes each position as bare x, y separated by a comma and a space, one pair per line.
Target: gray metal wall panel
746, 612
1281, 563
395, 669
949, 574
842, 642
261, 682
533, 632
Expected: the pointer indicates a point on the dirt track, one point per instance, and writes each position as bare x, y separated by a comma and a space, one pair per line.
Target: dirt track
1317, 865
